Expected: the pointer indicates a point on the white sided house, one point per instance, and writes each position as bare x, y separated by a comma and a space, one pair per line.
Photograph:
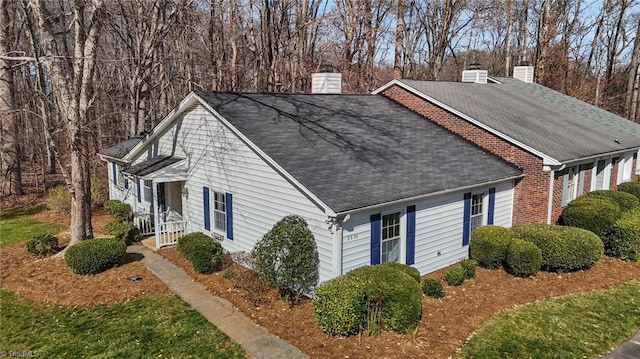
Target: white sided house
374, 180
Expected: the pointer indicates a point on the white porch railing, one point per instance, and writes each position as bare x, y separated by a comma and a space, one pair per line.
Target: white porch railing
144, 222
169, 232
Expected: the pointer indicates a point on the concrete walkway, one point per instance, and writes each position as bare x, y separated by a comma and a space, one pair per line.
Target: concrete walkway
255, 340
627, 350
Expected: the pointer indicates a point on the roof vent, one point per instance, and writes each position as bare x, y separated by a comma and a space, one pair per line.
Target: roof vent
523, 73
476, 75
326, 82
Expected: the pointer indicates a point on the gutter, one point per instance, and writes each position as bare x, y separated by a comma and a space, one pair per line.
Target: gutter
630, 149
428, 195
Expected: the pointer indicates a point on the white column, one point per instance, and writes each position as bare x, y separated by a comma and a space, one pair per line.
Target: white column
156, 212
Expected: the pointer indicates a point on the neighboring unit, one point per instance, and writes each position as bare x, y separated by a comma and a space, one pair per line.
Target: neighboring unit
375, 181
565, 146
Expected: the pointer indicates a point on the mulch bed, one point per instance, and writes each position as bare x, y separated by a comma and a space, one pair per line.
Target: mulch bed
49, 280
446, 322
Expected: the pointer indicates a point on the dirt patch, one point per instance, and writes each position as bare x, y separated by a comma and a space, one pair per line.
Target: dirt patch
49, 279
446, 323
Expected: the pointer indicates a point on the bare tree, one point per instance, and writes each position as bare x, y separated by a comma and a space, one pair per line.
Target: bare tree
397, 59
11, 174
633, 80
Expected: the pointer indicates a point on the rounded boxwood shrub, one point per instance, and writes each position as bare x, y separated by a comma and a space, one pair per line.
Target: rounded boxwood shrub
454, 276
469, 267
204, 253
95, 255
625, 200
432, 288
368, 297
563, 249
489, 245
630, 187
42, 245
523, 258
623, 241
593, 213
287, 258
411, 271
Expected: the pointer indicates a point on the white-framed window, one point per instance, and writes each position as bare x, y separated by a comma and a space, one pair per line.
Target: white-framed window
477, 211
219, 211
390, 237
120, 176
572, 183
146, 191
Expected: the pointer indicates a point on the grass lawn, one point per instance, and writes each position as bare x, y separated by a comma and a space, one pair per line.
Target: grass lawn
17, 225
582, 325
150, 326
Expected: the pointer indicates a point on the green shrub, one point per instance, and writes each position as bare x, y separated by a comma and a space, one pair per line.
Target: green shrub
42, 245
95, 255
523, 258
59, 199
489, 245
469, 267
286, 257
411, 271
432, 288
623, 241
563, 249
120, 211
593, 213
454, 276
340, 306
368, 297
124, 231
630, 187
625, 200
204, 253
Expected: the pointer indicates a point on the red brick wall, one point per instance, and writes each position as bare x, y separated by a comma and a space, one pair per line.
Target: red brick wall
531, 193
588, 170
613, 183
558, 183
634, 166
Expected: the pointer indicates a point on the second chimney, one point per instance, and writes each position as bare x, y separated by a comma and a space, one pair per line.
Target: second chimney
326, 82
474, 74
523, 73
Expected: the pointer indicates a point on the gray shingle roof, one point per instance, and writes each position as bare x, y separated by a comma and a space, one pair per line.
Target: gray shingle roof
354, 151
121, 149
555, 124
151, 165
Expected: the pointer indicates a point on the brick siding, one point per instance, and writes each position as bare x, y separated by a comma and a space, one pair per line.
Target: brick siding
531, 193
588, 172
613, 183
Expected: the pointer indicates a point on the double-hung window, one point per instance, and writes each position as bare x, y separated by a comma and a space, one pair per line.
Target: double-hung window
391, 237
147, 191
572, 179
219, 211
477, 214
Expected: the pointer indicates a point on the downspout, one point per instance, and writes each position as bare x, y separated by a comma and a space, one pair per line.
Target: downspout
550, 200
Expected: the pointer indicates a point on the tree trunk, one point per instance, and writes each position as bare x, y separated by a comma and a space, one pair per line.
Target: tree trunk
397, 60
633, 80
11, 174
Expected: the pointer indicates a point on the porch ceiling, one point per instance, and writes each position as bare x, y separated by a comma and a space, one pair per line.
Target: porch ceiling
167, 168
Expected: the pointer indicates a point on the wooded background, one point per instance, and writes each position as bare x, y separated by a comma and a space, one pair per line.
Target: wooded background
79, 76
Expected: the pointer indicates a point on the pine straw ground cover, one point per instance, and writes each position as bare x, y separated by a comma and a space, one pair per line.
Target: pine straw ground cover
446, 323
49, 279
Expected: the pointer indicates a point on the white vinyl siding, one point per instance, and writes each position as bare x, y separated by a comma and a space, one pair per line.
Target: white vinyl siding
438, 232
261, 196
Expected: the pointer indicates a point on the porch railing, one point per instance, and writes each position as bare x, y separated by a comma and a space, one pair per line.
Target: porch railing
144, 222
169, 232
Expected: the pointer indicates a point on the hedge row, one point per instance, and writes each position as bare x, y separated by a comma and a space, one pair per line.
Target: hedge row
368, 297
563, 249
623, 240
489, 245
596, 213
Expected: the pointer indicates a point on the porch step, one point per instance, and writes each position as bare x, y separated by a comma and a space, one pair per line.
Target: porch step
149, 242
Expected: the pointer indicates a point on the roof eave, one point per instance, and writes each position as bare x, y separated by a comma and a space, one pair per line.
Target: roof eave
108, 158
427, 195
546, 159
